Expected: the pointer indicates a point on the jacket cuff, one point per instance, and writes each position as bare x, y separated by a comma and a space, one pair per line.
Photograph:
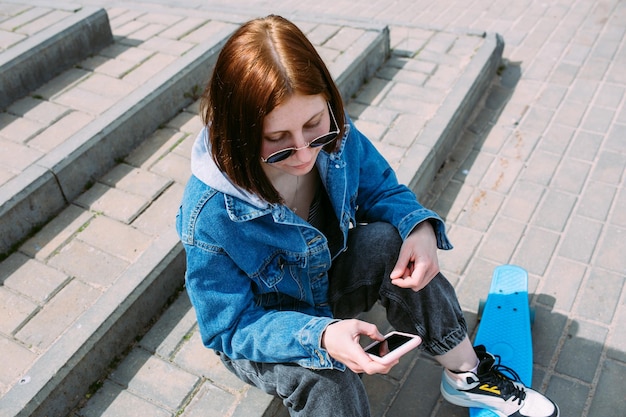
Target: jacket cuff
412, 220
310, 337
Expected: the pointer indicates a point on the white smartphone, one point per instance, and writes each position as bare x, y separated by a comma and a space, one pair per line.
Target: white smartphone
393, 347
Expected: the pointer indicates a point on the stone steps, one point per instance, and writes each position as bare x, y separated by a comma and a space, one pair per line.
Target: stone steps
41, 57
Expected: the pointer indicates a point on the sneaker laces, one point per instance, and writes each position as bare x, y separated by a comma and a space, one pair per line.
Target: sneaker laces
495, 375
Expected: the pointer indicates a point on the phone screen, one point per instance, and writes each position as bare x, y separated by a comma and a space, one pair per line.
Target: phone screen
393, 342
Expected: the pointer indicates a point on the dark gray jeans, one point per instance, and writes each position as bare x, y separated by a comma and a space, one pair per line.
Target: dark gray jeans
359, 278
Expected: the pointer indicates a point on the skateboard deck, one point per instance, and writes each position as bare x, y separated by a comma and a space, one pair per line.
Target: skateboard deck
504, 328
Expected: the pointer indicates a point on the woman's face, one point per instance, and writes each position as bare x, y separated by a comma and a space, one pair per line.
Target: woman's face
294, 124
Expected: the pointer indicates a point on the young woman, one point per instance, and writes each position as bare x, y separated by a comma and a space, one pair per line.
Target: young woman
293, 224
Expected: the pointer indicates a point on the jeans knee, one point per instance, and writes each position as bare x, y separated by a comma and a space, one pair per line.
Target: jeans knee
378, 241
326, 393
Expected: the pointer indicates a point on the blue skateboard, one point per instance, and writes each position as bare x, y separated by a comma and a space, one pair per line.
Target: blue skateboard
505, 321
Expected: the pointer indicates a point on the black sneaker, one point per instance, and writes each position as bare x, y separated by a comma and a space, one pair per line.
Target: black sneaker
490, 388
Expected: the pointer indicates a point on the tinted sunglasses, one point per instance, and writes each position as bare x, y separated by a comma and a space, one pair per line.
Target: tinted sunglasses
322, 140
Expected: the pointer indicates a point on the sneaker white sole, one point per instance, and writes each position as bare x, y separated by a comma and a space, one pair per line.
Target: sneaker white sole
451, 395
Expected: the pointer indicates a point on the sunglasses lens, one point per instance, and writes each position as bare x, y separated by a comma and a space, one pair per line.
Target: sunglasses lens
324, 140
279, 156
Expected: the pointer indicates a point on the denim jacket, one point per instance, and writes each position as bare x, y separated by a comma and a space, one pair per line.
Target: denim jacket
257, 273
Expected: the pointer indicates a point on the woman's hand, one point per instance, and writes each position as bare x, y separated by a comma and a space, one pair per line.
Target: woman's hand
417, 263
341, 340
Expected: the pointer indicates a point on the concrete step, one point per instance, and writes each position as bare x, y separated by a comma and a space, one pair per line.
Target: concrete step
29, 64
106, 259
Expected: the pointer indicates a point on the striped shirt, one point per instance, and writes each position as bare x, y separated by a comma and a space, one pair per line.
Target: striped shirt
323, 218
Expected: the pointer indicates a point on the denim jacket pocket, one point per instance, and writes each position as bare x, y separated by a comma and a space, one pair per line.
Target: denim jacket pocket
271, 274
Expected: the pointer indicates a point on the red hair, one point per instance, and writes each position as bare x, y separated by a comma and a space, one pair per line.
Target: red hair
263, 63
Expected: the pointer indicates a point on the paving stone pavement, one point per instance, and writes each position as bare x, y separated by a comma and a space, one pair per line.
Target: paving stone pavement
537, 179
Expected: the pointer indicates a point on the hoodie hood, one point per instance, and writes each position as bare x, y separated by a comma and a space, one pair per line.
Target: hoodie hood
206, 170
